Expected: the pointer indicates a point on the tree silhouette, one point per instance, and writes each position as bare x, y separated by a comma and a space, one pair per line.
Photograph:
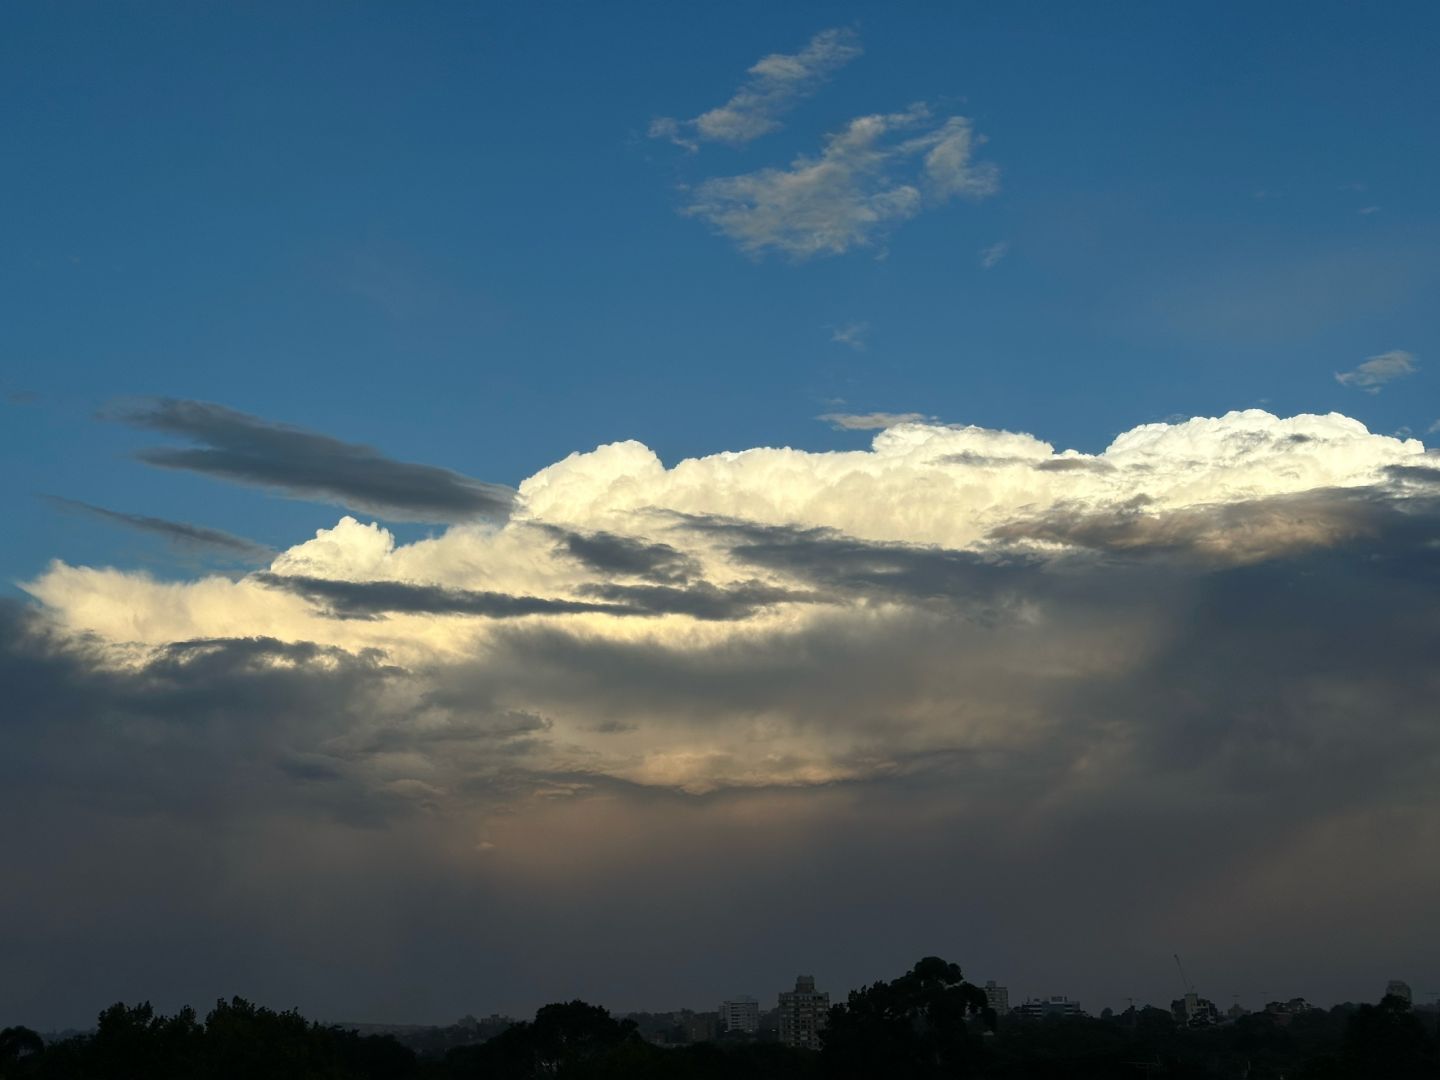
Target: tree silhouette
562, 1040
924, 1024
16, 1044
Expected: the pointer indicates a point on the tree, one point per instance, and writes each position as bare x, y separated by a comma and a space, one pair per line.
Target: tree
564, 1039
16, 1044
1388, 1040
924, 1024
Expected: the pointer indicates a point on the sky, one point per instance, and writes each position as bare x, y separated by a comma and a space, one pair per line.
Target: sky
512, 502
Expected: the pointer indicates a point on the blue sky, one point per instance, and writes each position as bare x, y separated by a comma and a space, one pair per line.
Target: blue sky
442, 230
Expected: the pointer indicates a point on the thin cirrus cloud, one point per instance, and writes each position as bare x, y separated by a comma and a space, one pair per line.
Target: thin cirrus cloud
1372, 375
873, 421
775, 84
990, 256
877, 172
247, 449
181, 533
853, 335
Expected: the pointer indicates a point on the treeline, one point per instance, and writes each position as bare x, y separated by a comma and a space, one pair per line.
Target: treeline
926, 1025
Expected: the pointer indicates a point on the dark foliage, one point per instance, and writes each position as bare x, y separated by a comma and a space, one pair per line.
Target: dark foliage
237, 1041
571, 1039
928, 1023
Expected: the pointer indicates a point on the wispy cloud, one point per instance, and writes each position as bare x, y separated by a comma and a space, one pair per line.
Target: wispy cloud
374, 599
609, 553
775, 84
853, 334
246, 449
991, 256
180, 533
367, 599
1366, 211
874, 421
865, 181
1375, 372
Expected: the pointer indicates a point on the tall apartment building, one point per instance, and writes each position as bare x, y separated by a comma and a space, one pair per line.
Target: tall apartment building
740, 1014
802, 1013
997, 997
1055, 1005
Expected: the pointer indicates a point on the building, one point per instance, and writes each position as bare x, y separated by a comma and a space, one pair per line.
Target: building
740, 1014
1055, 1005
697, 1027
802, 1013
1194, 1011
998, 998
1285, 1011
1400, 989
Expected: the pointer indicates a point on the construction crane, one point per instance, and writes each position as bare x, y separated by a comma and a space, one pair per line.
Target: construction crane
1189, 989
1193, 1015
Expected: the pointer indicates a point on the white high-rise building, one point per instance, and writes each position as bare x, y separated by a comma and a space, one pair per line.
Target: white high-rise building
740, 1014
997, 997
803, 1012
1054, 1005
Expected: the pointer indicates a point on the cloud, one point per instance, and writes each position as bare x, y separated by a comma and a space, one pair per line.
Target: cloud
957, 655
246, 449
1375, 372
874, 421
991, 256
702, 600
869, 177
776, 83
1422, 473
603, 537
1234, 534
610, 553
363, 599
852, 334
180, 533
698, 600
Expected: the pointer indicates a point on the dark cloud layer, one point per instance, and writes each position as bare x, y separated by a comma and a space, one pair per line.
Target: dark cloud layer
608, 553
843, 566
702, 600
249, 450
1241, 532
1135, 754
367, 599
370, 599
180, 533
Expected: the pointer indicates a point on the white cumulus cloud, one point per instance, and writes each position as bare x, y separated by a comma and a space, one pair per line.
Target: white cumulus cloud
878, 171
775, 84
600, 540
